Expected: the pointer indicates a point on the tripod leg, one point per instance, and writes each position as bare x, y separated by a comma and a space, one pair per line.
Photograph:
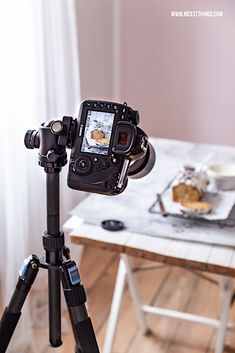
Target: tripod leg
12, 312
54, 298
75, 298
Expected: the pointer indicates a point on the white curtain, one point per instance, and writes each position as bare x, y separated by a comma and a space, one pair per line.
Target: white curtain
39, 81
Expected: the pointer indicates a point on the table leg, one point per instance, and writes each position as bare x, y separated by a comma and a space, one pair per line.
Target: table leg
135, 293
115, 307
226, 292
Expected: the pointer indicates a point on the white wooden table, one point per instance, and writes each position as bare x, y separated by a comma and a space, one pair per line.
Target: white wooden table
190, 255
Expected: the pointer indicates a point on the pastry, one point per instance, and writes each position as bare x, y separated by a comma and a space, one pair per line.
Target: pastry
183, 193
97, 134
198, 207
102, 141
189, 186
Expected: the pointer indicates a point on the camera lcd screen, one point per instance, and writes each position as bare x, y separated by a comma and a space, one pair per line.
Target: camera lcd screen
98, 131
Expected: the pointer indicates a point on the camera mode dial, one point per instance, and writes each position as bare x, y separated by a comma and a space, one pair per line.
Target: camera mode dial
83, 165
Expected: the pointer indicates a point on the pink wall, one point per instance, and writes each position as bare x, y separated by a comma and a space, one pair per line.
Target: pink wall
180, 72
95, 34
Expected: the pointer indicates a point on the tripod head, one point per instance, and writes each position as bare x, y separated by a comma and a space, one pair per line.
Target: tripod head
52, 139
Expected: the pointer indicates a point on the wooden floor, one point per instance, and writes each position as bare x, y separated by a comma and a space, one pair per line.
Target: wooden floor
167, 287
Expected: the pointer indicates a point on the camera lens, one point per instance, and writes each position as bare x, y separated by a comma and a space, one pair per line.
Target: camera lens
143, 166
83, 165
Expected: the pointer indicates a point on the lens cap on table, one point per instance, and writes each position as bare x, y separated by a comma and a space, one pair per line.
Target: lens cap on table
112, 225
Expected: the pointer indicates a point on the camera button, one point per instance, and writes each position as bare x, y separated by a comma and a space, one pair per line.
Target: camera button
135, 117
115, 159
83, 165
104, 163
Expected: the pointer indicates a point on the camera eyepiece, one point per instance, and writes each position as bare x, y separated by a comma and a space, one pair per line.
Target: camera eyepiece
31, 139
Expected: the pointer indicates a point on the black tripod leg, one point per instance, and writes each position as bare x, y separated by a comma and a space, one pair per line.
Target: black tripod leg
12, 312
75, 297
54, 297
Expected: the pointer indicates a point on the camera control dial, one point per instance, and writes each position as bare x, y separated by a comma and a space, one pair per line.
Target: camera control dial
83, 165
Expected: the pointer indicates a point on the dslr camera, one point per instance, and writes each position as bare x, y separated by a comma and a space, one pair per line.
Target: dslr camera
107, 147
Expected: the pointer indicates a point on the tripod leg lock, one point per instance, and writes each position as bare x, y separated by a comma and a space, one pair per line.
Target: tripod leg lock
76, 296
73, 289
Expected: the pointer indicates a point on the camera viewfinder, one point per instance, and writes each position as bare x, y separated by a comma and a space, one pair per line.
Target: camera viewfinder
122, 138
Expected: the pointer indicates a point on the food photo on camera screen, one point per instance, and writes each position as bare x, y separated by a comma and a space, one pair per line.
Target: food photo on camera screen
97, 133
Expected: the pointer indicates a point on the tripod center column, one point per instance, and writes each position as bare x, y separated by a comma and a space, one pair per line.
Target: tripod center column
53, 204
53, 243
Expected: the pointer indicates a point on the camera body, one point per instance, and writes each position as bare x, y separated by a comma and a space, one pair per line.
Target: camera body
106, 139
107, 147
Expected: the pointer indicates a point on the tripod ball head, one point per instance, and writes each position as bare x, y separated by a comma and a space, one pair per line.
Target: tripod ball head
51, 139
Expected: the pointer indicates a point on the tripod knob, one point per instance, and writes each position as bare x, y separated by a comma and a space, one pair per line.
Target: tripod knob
57, 127
31, 139
51, 156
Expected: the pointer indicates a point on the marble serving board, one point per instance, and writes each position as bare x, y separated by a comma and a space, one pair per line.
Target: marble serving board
133, 204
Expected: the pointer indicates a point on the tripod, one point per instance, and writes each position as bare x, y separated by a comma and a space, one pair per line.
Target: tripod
56, 261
